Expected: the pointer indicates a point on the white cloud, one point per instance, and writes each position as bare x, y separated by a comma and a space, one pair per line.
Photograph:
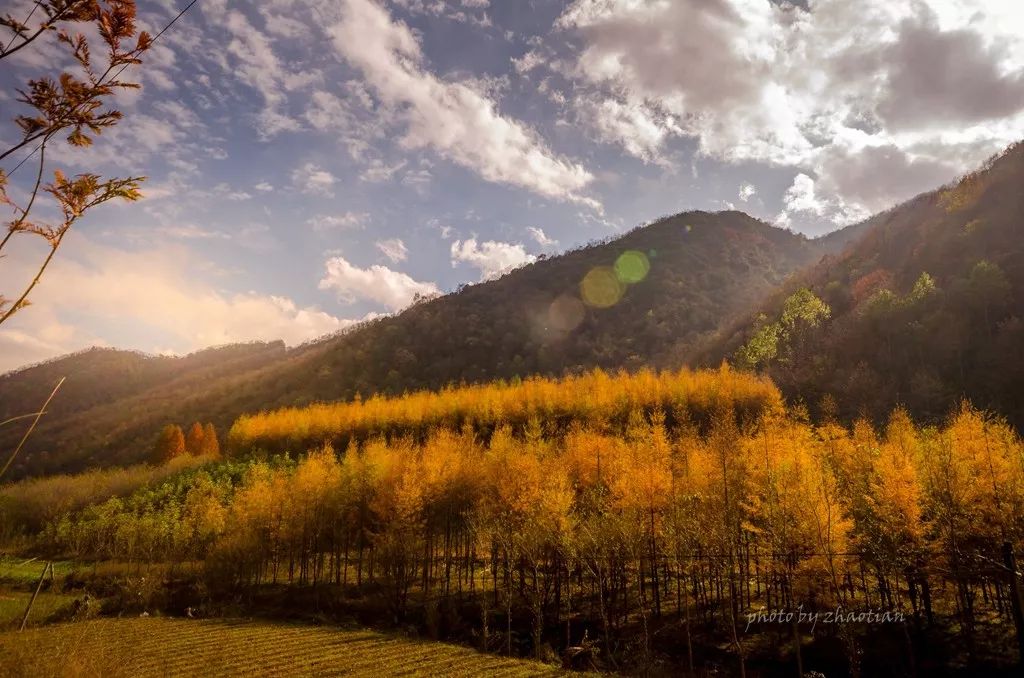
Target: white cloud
491, 258
328, 222
139, 140
449, 10
418, 179
634, 125
191, 232
445, 230
283, 26
800, 197
314, 180
224, 190
147, 300
393, 248
379, 171
380, 284
264, 186
928, 88
540, 237
249, 56
527, 62
352, 118
947, 77
455, 119
747, 191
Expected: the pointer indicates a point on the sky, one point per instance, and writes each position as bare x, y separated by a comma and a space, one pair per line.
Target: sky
314, 163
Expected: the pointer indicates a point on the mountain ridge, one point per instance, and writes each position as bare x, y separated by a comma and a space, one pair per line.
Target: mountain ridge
700, 267
696, 288
925, 308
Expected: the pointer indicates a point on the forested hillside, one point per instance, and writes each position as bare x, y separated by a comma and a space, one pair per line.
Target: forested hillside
110, 396
103, 375
919, 306
924, 309
647, 298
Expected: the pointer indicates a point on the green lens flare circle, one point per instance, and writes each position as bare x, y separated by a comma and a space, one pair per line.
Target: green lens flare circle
601, 288
631, 267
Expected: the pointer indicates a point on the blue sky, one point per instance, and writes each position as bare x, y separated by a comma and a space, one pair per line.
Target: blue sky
315, 162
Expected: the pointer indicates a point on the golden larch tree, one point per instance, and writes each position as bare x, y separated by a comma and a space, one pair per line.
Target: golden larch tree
211, 445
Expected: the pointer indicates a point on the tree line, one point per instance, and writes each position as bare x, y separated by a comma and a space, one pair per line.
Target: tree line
595, 398
628, 538
200, 441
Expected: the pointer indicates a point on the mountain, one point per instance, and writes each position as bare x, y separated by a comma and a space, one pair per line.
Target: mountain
108, 394
100, 376
647, 298
924, 309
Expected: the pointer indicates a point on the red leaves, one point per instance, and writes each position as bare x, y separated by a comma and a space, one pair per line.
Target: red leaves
144, 42
73, 102
117, 22
79, 47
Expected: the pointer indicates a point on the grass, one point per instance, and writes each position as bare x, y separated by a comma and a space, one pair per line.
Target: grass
18, 578
13, 604
22, 572
180, 647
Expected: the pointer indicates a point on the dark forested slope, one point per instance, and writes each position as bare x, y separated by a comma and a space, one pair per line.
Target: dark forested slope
924, 309
593, 307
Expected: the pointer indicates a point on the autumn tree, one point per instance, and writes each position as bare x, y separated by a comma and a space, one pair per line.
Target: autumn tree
195, 440
608, 524
211, 445
170, 444
55, 12
896, 531
72, 105
203, 518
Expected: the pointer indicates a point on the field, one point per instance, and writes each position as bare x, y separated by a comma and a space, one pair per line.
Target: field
21, 571
179, 647
13, 604
18, 577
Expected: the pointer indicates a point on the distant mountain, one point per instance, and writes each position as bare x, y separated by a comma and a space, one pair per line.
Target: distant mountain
100, 376
647, 298
924, 308
108, 396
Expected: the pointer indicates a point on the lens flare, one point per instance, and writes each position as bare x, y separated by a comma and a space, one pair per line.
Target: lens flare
632, 267
565, 314
601, 287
